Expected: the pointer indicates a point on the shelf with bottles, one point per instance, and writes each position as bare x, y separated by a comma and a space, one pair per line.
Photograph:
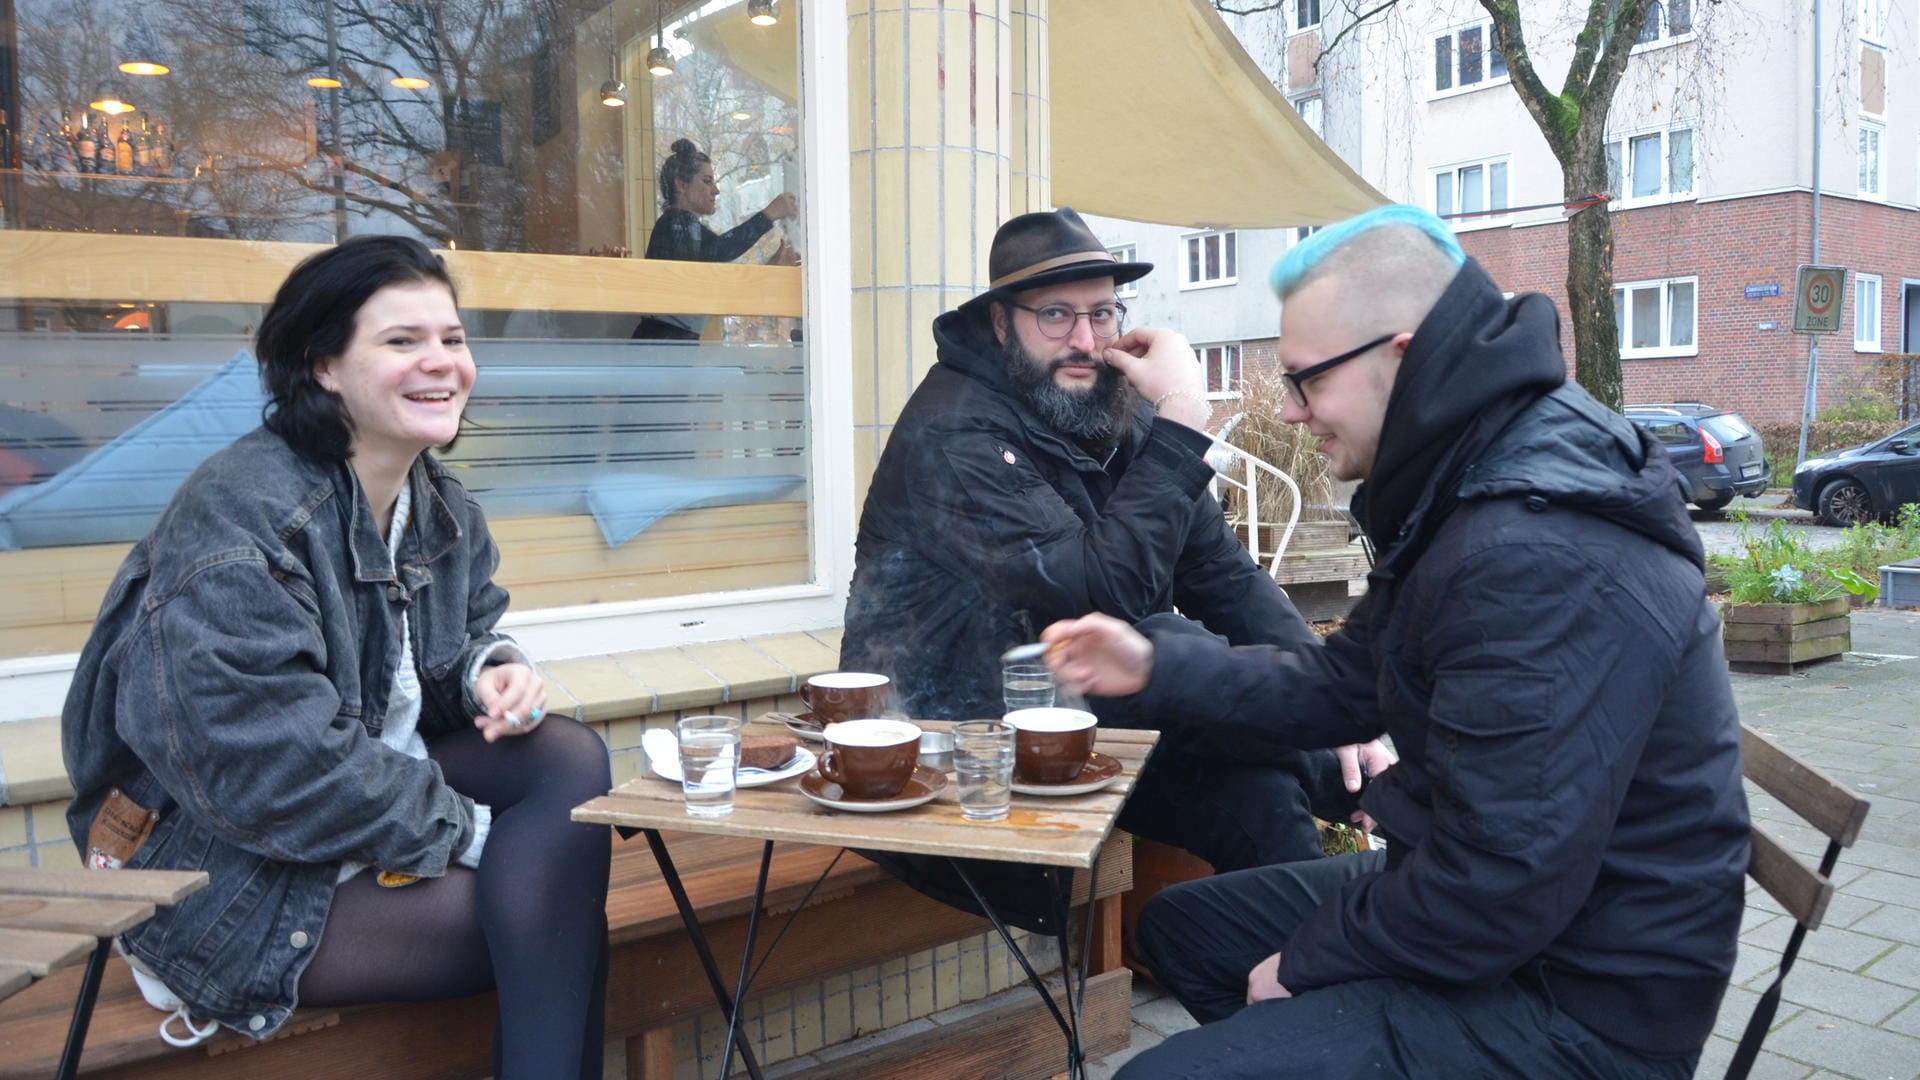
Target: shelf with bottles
92, 150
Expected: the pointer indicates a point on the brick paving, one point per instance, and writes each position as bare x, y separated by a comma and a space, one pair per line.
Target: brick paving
1851, 1007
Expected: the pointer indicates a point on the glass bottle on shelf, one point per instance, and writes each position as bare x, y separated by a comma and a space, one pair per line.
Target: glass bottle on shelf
162, 155
103, 151
84, 146
63, 151
123, 151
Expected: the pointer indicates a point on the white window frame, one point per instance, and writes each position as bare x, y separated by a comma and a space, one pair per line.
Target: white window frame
1666, 37
1664, 349
1485, 165
1487, 78
1229, 238
1217, 352
1313, 109
1295, 26
1125, 253
1872, 16
1861, 283
1878, 131
1623, 199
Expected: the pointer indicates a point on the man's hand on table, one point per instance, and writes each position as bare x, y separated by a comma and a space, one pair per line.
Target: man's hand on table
1098, 655
1263, 982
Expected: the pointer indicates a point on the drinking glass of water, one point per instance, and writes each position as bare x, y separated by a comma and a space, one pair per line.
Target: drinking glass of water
983, 761
1026, 685
709, 757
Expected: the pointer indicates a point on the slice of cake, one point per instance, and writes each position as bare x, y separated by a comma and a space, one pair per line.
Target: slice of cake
768, 752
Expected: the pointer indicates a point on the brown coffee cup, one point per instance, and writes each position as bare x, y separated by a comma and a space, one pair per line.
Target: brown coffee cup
871, 758
1051, 746
845, 695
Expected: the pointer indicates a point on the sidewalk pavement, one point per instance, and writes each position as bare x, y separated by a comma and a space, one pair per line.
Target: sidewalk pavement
1851, 1006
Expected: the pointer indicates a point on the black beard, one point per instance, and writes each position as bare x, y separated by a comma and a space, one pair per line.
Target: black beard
1097, 414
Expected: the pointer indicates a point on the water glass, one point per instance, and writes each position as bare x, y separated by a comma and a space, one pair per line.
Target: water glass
709, 758
1026, 685
983, 762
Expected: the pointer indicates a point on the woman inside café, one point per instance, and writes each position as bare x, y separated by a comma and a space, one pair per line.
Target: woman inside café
295, 684
689, 193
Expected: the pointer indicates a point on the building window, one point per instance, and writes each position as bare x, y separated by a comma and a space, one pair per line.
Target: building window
1656, 318
1873, 21
1304, 231
1472, 192
1667, 22
1873, 164
1866, 313
1306, 14
1211, 260
1652, 165
1467, 58
1124, 253
1222, 363
1313, 111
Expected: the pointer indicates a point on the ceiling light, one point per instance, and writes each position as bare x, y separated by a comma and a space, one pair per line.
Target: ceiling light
144, 67
762, 12
324, 82
409, 82
613, 93
659, 60
109, 100
742, 114
142, 49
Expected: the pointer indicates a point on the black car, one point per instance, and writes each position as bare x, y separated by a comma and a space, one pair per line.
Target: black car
1717, 454
1862, 483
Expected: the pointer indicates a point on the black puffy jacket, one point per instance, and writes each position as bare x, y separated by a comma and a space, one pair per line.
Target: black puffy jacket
1537, 643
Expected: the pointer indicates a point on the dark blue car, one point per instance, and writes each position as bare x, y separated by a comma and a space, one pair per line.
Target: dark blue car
1717, 454
1861, 483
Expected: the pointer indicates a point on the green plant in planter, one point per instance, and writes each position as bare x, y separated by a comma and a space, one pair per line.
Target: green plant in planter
1773, 566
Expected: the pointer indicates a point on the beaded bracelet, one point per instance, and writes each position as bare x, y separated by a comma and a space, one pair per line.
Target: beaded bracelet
1195, 398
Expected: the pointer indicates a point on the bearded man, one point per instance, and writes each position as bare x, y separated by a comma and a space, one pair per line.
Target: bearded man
1048, 467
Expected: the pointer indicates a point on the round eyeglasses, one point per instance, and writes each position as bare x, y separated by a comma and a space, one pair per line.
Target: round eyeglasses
1056, 320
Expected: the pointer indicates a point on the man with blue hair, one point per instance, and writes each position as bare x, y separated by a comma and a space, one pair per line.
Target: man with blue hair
1567, 834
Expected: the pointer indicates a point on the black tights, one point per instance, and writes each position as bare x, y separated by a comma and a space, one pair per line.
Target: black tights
530, 922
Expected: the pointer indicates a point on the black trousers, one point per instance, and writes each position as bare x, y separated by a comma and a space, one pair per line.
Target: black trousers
1202, 938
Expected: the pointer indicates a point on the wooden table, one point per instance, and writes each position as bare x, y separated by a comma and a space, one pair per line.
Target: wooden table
1064, 833
52, 918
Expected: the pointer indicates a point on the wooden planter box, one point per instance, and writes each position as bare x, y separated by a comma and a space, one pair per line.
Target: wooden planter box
1777, 638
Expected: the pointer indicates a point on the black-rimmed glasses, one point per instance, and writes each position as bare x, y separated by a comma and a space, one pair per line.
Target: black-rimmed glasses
1296, 381
1056, 320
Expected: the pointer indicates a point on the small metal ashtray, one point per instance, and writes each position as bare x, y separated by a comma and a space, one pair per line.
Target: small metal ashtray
936, 750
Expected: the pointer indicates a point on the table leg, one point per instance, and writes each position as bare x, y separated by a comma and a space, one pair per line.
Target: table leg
83, 1011
746, 959
700, 947
1073, 1042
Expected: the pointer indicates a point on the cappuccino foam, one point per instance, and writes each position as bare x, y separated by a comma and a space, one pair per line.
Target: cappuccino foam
1051, 719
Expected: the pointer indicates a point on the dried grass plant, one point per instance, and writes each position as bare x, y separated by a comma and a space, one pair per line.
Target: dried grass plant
1287, 447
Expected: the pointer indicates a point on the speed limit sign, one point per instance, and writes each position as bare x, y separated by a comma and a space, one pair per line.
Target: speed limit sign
1816, 301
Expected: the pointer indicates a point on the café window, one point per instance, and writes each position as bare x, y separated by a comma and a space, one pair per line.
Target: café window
1211, 259
642, 429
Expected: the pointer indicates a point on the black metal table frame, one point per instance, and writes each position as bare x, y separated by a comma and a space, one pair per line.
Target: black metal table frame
83, 1011
1061, 879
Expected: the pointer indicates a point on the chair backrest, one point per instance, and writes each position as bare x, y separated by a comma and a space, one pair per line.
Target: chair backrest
1804, 891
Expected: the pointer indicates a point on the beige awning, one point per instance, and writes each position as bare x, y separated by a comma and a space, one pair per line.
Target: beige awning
1159, 115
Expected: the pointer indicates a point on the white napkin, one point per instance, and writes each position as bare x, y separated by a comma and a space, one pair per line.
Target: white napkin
662, 748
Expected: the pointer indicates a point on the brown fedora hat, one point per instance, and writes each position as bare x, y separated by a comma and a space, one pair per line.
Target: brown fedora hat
1049, 247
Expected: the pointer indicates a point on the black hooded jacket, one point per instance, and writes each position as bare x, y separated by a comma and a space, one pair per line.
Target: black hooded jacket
1537, 643
983, 526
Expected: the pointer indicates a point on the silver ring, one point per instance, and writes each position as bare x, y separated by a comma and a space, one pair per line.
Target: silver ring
513, 721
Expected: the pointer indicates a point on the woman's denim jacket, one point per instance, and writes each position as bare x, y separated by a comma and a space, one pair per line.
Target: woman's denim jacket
236, 681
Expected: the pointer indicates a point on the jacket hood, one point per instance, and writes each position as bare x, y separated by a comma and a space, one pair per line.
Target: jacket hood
1571, 450
1474, 363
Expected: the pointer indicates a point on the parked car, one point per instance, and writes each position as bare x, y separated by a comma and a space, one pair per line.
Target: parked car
1717, 454
1861, 483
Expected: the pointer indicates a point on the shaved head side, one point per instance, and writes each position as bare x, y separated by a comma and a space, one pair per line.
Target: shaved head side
1392, 265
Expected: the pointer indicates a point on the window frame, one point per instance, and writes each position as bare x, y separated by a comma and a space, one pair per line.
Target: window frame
1486, 216
1213, 351
1295, 26
1126, 253
1667, 38
1665, 350
1230, 238
1878, 129
1315, 123
1624, 139
1872, 32
1456, 88
1874, 343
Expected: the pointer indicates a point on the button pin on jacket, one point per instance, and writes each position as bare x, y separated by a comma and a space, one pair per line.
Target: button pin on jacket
1007, 456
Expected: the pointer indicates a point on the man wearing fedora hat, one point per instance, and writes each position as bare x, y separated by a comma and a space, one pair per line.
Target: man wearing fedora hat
1051, 465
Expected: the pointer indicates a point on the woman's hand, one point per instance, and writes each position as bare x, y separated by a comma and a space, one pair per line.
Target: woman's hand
782, 206
784, 255
515, 699
1098, 654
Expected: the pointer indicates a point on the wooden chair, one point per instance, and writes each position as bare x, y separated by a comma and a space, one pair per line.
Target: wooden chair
1802, 890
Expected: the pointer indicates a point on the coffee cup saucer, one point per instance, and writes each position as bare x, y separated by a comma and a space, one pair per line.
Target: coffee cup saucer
925, 784
1099, 771
805, 725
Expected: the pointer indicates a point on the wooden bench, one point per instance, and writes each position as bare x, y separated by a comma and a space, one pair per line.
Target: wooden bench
858, 916
1804, 891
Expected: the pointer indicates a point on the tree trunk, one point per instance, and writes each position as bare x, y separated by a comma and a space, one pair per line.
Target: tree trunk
1596, 340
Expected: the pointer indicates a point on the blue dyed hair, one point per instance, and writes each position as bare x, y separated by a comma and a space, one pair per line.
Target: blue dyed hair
1302, 258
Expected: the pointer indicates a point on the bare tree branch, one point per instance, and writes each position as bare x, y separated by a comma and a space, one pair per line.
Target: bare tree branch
1348, 29
1255, 10
1549, 111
